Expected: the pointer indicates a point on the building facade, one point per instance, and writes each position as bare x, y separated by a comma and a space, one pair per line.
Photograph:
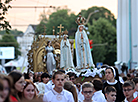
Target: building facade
26, 40
127, 33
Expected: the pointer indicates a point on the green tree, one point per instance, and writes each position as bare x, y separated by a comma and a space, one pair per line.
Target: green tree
14, 32
103, 32
103, 13
10, 41
4, 6
57, 18
43, 20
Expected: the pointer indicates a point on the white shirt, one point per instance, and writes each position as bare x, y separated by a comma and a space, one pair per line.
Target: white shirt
41, 87
49, 86
80, 96
135, 94
125, 100
53, 96
98, 96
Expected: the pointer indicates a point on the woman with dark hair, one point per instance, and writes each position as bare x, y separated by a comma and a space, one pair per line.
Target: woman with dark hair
112, 79
68, 85
29, 91
18, 84
7, 84
50, 58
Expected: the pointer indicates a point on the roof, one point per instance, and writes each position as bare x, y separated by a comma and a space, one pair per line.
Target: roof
33, 26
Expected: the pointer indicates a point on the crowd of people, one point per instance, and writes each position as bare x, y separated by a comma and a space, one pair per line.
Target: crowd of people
62, 87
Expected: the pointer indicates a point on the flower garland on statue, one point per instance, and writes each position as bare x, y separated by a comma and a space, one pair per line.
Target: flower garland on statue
93, 72
72, 70
88, 72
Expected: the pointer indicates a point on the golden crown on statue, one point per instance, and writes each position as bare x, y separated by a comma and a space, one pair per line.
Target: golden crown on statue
80, 20
65, 33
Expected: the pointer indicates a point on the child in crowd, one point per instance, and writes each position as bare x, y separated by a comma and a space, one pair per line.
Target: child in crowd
58, 94
128, 90
69, 86
110, 93
72, 76
87, 91
41, 86
98, 96
29, 92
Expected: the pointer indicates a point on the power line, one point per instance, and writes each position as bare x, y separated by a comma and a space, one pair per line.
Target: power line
33, 6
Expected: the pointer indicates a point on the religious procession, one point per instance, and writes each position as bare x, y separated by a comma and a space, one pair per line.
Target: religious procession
53, 77
62, 68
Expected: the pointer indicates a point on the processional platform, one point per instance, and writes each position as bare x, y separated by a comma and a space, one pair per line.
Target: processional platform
37, 52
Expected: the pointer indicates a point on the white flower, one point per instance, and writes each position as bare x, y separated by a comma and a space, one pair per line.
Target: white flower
89, 73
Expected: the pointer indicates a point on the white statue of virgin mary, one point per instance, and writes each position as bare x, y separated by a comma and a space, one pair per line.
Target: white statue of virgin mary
66, 60
83, 52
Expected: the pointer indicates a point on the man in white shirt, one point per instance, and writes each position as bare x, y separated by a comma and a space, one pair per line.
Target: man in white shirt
58, 94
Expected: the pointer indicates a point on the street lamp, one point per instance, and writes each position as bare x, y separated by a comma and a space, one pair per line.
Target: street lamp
90, 16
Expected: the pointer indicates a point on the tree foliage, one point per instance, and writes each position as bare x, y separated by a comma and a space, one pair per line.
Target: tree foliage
43, 20
57, 18
14, 32
103, 32
4, 6
103, 13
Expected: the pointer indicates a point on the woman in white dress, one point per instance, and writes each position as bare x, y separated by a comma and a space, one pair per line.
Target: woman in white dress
50, 58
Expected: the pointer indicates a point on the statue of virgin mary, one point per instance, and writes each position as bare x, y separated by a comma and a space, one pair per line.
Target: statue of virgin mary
66, 60
83, 52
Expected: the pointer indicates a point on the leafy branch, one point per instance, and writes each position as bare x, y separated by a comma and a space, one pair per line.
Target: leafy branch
4, 24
